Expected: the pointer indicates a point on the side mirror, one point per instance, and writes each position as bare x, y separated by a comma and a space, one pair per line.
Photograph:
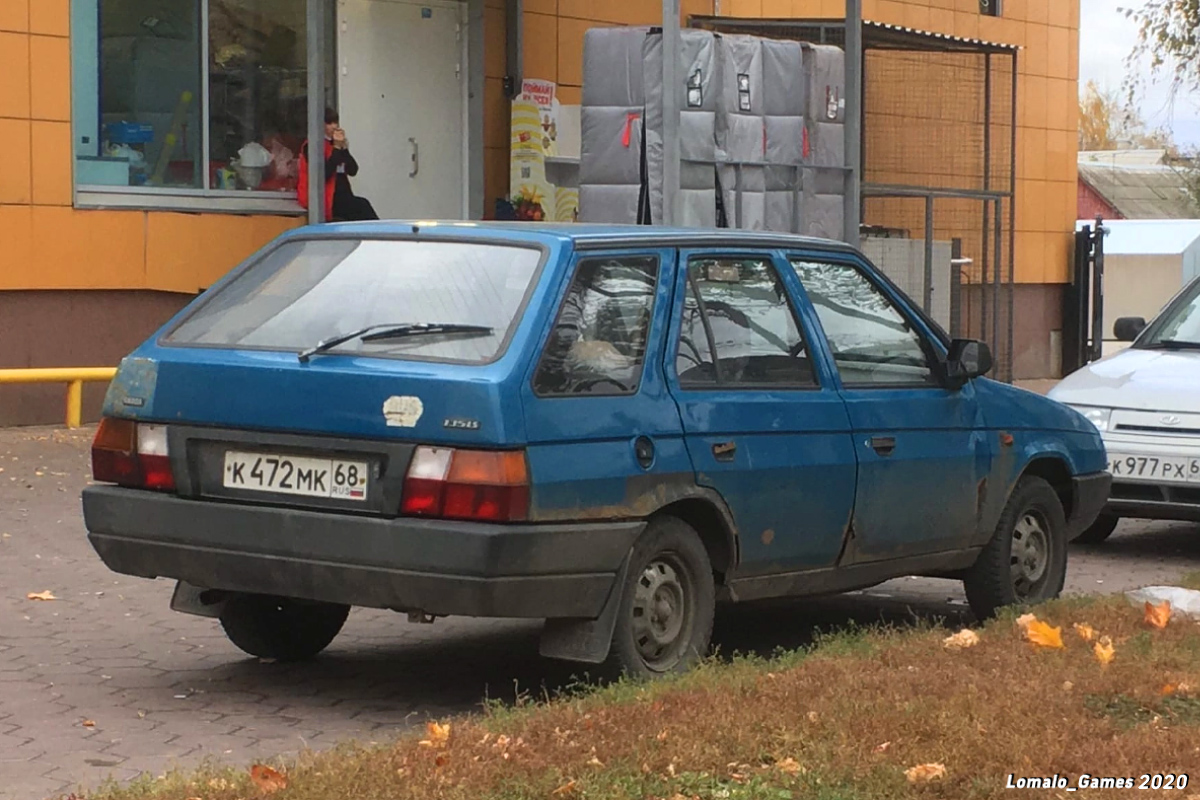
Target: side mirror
1126, 329
967, 359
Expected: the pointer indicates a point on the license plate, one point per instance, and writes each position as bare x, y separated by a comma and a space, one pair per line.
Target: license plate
1158, 469
308, 477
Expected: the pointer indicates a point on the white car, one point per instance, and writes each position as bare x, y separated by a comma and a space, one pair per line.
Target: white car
1146, 403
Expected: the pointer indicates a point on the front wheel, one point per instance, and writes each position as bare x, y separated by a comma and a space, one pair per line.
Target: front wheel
1025, 562
665, 620
281, 628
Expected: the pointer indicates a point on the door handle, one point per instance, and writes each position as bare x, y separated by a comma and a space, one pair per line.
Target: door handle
883, 445
416, 157
724, 451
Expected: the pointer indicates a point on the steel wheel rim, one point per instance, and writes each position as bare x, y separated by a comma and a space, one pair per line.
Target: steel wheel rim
662, 612
1029, 559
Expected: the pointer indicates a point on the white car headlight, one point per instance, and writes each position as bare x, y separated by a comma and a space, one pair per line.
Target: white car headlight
1097, 416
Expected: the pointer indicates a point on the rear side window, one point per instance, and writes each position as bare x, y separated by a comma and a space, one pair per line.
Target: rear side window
598, 343
306, 291
739, 309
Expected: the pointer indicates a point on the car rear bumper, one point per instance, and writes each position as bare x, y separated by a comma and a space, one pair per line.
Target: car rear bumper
1089, 496
438, 567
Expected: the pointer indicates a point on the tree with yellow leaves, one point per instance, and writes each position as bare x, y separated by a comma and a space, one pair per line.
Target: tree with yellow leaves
1105, 123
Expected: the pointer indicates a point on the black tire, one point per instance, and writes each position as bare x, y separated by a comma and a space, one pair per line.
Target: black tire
281, 628
1025, 563
665, 621
1100, 530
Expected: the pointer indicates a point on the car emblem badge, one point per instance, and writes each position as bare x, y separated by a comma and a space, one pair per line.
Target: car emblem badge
1171, 419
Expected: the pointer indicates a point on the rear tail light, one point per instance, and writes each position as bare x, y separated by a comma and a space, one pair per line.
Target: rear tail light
132, 454
486, 486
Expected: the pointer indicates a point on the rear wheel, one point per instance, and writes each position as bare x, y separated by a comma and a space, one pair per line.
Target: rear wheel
1025, 563
667, 603
1100, 530
281, 628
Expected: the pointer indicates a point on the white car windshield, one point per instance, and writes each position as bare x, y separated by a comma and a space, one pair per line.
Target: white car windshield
452, 301
1179, 325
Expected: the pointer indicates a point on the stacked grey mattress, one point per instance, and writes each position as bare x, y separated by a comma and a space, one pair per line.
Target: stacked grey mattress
756, 113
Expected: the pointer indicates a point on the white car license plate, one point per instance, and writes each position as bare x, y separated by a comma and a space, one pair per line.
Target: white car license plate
1157, 469
309, 477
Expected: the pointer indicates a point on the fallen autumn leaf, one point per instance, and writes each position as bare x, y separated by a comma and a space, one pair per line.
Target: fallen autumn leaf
1104, 650
1157, 616
925, 773
438, 735
1043, 635
566, 788
46, 595
789, 766
961, 640
268, 781
1085, 631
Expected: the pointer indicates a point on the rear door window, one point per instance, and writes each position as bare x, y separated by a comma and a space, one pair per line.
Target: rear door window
598, 343
739, 328
306, 291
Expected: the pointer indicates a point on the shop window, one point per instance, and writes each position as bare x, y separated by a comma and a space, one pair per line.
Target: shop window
198, 99
990, 8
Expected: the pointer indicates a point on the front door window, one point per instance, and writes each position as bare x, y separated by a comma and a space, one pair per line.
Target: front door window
872, 342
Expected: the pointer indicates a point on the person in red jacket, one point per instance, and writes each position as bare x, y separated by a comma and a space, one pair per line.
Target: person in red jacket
341, 204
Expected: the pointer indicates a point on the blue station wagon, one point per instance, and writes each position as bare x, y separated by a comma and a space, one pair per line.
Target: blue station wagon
608, 428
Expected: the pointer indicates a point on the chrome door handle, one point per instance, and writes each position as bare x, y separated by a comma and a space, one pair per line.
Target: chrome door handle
416, 157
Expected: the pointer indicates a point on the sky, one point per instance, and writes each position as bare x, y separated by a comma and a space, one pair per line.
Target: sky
1106, 38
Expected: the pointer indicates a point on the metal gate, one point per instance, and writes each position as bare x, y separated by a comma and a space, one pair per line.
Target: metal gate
1083, 312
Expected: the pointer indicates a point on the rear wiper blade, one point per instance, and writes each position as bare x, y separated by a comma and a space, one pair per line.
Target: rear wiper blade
375, 333
1173, 344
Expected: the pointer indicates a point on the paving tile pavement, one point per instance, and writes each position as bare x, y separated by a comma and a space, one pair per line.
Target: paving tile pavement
162, 689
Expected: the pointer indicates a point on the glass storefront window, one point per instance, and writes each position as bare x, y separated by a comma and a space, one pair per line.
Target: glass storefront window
141, 122
191, 97
257, 78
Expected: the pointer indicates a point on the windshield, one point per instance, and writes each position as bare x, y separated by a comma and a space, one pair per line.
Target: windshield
308, 291
1179, 324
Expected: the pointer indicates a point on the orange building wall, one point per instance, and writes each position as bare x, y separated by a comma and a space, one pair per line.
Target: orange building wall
47, 244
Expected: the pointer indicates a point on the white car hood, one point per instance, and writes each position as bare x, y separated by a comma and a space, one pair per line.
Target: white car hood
1145, 380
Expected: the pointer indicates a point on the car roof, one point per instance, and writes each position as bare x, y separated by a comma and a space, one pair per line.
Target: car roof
580, 235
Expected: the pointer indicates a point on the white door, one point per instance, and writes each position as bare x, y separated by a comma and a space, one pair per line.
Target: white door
401, 90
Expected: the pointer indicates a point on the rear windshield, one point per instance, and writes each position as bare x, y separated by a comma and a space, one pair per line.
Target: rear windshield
306, 291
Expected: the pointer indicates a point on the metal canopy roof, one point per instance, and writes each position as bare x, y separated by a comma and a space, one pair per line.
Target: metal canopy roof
876, 35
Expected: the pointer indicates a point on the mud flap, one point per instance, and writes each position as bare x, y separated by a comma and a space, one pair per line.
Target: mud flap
586, 640
197, 600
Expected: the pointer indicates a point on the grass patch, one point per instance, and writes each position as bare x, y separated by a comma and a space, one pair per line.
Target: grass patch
842, 720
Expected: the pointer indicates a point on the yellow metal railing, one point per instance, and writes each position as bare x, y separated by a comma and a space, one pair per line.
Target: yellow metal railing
74, 378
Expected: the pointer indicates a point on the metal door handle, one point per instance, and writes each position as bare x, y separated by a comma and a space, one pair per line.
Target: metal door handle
883, 445
416, 157
724, 451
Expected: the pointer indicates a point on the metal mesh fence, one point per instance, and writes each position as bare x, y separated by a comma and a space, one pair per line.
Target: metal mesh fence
938, 164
